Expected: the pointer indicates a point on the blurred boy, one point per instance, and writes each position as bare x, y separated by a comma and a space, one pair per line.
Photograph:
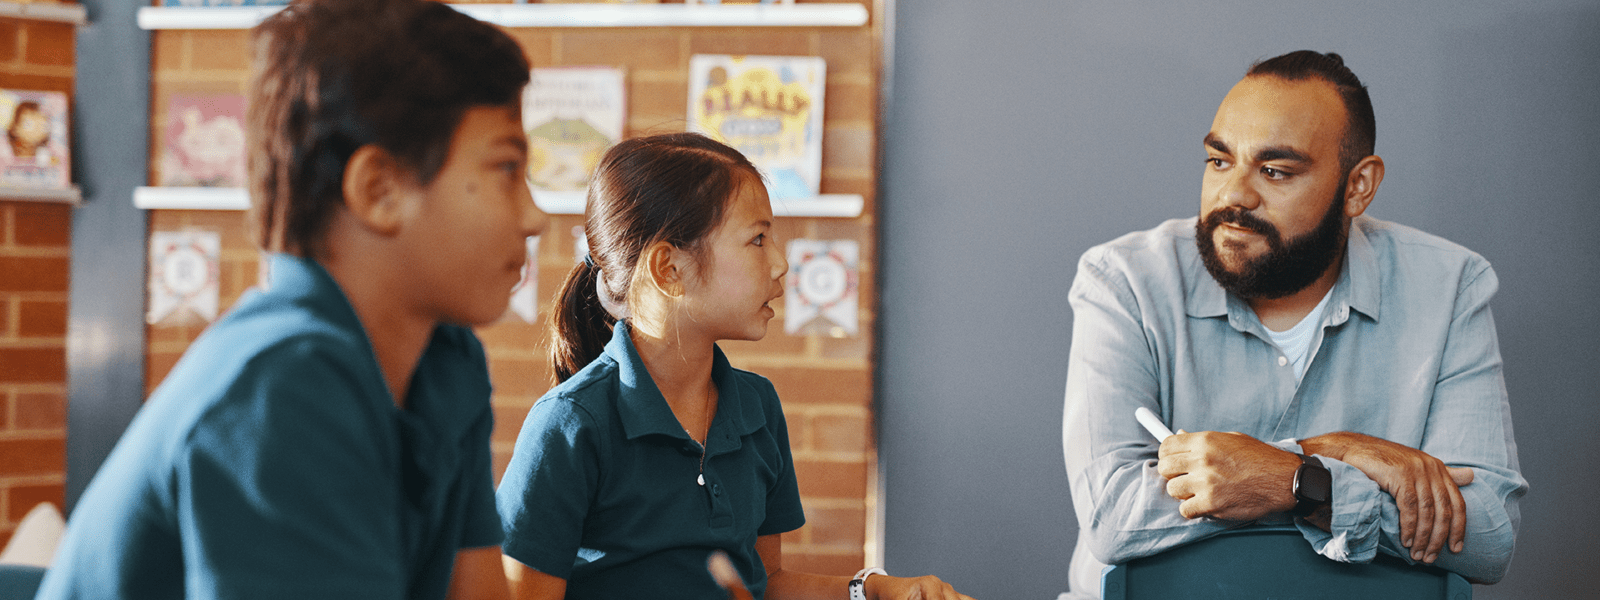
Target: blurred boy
330, 436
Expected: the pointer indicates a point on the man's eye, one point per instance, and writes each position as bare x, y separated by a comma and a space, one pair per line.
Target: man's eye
1272, 173
1216, 163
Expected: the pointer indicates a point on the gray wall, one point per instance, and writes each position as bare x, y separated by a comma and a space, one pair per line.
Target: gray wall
1020, 133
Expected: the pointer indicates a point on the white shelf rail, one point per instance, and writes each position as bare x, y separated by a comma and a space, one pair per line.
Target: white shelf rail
557, 15
68, 195
62, 13
556, 203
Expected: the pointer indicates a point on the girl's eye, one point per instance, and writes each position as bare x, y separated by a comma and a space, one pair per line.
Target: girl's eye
761, 240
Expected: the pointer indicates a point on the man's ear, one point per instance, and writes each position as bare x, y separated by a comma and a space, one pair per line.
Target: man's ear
377, 190
664, 268
1362, 185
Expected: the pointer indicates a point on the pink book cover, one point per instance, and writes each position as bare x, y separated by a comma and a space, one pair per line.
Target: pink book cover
36, 153
203, 142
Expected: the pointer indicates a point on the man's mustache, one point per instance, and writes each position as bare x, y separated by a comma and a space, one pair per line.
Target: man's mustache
1239, 217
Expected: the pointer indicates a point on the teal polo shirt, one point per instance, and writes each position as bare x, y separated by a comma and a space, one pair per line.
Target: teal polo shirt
273, 463
602, 488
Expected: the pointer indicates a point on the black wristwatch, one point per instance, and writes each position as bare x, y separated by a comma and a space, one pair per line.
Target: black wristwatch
1313, 486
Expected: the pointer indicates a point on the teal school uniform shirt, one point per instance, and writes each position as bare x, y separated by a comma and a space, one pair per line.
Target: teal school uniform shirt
604, 490
273, 463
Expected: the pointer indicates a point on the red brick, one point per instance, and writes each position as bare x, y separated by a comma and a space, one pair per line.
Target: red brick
33, 273
658, 106
41, 411
156, 367
840, 433
219, 49
848, 147
8, 39
849, 102
24, 497
851, 387
647, 49
537, 44
831, 479
500, 459
166, 49
837, 527
41, 318
33, 457
6, 400
517, 376
50, 44
42, 224
743, 41
508, 422
824, 564
33, 365
48, 83
512, 333
848, 51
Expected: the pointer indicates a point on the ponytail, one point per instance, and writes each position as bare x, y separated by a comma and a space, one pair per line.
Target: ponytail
580, 327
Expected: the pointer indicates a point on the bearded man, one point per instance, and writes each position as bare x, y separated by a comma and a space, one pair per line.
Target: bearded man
1334, 369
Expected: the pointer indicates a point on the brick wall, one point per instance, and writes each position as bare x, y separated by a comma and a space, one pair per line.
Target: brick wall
825, 383
35, 256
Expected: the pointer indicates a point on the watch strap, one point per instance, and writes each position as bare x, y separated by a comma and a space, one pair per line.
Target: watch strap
858, 584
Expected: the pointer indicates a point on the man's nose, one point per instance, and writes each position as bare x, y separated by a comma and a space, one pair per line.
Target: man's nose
1238, 189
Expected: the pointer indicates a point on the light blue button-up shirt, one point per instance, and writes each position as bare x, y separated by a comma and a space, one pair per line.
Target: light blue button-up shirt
1406, 352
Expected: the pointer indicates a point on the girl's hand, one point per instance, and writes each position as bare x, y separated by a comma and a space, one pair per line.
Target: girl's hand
927, 587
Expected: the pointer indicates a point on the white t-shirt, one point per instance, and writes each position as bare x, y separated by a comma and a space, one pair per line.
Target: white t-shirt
1295, 342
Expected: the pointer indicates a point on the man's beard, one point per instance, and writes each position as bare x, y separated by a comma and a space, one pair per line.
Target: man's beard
1285, 268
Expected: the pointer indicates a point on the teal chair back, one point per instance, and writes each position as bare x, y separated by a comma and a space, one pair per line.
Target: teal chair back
19, 582
1272, 563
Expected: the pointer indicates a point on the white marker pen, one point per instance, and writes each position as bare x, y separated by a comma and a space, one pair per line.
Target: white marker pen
1152, 423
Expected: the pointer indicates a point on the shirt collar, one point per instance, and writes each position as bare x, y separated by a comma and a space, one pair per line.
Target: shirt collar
1357, 288
644, 411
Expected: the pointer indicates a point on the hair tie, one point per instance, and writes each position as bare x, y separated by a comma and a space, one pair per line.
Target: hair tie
588, 259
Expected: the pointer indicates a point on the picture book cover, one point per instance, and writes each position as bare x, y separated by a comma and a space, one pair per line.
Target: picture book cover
769, 108
572, 116
217, 3
184, 274
823, 288
203, 141
36, 153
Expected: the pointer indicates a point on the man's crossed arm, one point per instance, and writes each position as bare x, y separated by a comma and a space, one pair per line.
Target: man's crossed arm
1235, 477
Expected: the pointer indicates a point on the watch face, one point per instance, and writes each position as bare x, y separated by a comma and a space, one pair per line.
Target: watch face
1313, 483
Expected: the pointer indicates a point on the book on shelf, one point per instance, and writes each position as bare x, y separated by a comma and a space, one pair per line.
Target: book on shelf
769, 108
36, 152
571, 115
202, 144
221, 3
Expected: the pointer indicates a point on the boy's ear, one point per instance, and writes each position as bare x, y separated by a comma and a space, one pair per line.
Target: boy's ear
664, 268
376, 189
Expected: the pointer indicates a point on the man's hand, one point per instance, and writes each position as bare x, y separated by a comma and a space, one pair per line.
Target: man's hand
1228, 476
1425, 491
927, 587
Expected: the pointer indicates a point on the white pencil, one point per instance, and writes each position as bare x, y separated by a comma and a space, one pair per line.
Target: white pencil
1152, 423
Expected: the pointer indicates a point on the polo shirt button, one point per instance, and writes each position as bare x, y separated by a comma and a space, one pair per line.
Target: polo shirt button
716, 490
1283, 360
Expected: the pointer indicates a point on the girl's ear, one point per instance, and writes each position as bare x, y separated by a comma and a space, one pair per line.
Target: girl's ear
378, 192
664, 268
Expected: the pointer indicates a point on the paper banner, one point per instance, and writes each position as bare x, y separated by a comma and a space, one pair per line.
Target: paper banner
822, 288
525, 297
184, 268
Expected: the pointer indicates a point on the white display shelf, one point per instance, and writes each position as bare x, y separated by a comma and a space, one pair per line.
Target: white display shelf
557, 15
33, 11
71, 195
191, 198
556, 203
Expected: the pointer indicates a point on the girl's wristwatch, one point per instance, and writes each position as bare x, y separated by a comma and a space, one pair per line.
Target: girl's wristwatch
858, 584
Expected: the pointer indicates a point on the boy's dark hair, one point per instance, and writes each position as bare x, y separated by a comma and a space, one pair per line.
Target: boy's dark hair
331, 76
671, 188
1360, 133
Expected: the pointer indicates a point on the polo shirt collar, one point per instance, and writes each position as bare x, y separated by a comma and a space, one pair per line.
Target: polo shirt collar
1358, 284
643, 409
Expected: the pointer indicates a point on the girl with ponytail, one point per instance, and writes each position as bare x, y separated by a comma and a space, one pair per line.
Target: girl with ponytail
652, 452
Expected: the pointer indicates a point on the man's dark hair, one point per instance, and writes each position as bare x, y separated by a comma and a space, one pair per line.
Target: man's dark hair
1360, 125
331, 76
